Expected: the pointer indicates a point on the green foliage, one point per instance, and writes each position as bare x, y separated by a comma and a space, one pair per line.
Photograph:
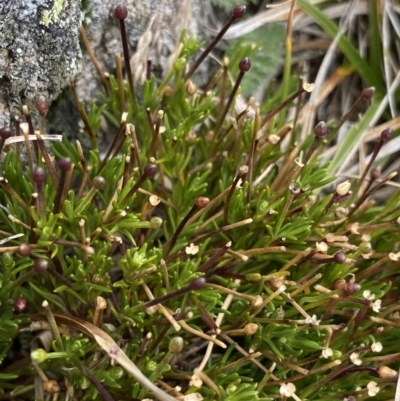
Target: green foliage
217, 230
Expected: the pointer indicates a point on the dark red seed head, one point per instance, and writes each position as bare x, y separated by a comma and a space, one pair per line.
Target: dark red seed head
20, 304
239, 11
386, 134
339, 257
375, 172
24, 250
367, 93
197, 283
202, 202
99, 182
40, 265
64, 164
150, 170
121, 12
5, 133
42, 105
245, 65
320, 129
351, 288
39, 175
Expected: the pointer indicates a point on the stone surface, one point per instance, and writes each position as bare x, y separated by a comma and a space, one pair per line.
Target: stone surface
39, 50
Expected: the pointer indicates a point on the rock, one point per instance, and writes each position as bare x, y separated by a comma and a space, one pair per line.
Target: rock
39, 50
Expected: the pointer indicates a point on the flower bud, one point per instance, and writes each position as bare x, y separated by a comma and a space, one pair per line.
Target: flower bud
202, 202
52, 387
385, 372
121, 12
156, 222
39, 355
239, 11
339, 284
42, 105
150, 170
24, 250
175, 345
20, 304
245, 65
190, 88
320, 130
351, 288
367, 93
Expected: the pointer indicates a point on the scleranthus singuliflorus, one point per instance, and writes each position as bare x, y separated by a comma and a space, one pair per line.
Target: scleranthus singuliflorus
205, 253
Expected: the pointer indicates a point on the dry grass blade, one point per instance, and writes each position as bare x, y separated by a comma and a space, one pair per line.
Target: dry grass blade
112, 349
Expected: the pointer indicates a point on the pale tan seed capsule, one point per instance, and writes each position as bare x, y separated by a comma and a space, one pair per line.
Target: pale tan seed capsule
52, 387
339, 284
101, 303
250, 328
386, 373
190, 87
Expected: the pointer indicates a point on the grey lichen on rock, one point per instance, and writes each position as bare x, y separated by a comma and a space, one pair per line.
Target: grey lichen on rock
39, 50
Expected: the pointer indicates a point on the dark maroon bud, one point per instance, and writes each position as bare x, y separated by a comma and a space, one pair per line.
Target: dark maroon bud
64, 164
39, 175
20, 305
121, 12
5, 133
339, 257
202, 202
239, 11
376, 172
150, 170
24, 249
197, 283
245, 65
42, 105
99, 182
320, 129
367, 93
351, 288
294, 189
40, 265
386, 134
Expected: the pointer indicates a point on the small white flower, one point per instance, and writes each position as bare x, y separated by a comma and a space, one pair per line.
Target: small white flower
313, 320
367, 295
192, 249
193, 397
373, 389
326, 353
355, 358
196, 381
376, 347
394, 256
376, 306
321, 246
287, 389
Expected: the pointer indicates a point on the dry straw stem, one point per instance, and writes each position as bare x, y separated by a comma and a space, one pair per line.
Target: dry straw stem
162, 309
112, 349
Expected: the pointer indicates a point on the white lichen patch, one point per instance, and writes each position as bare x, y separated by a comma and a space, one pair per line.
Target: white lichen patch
52, 16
